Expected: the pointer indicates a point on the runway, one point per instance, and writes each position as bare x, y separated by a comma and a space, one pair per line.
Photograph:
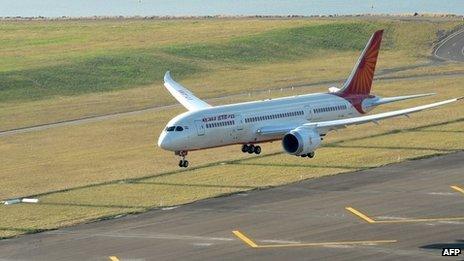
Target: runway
404, 211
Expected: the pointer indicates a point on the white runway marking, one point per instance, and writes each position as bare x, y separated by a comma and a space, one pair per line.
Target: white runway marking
202, 244
149, 236
442, 193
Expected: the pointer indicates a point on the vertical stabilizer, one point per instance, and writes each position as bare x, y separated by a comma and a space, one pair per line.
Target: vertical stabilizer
360, 81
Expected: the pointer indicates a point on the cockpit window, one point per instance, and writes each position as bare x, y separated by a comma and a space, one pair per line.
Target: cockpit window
179, 128
171, 128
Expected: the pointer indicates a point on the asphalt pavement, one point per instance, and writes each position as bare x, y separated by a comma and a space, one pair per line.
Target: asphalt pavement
404, 211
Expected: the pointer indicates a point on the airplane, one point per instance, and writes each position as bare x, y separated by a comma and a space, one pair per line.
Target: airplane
300, 121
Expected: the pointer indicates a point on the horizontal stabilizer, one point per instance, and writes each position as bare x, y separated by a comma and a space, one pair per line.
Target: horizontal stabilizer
379, 100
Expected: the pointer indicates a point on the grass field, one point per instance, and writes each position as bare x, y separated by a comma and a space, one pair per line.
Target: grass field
106, 168
53, 71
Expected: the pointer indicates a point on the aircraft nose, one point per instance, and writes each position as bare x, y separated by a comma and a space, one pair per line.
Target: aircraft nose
164, 141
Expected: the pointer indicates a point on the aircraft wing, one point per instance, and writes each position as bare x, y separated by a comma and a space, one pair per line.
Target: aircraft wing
325, 126
184, 96
335, 124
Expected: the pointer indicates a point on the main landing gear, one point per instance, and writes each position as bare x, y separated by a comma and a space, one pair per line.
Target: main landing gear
309, 155
251, 149
183, 163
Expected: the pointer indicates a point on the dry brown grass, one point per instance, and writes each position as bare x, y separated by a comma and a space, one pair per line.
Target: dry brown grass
120, 170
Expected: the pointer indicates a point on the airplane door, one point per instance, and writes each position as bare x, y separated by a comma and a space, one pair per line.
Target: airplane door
308, 112
200, 126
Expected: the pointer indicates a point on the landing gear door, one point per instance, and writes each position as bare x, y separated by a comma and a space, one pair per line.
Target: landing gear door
200, 126
308, 112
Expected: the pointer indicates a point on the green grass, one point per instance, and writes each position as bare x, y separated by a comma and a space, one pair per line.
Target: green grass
282, 44
99, 74
72, 63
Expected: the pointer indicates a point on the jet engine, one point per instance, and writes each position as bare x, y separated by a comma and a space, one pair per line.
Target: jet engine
301, 141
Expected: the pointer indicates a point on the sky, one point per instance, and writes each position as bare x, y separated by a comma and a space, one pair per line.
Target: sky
79, 8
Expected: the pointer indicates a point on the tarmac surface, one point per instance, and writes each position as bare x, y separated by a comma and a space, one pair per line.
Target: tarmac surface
404, 211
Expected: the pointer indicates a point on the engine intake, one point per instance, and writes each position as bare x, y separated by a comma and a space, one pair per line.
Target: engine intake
301, 141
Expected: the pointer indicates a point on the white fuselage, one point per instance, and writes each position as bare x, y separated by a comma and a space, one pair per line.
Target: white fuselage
240, 123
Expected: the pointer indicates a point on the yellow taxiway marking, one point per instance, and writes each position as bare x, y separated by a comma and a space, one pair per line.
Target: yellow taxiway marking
244, 238
406, 220
114, 258
252, 244
420, 220
458, 189
364, 242
361, 215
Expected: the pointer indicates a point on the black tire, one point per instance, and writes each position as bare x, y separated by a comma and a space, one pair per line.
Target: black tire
304, 155
186, 164
251, 149
181, 163
257, 150
244, 148
311, 154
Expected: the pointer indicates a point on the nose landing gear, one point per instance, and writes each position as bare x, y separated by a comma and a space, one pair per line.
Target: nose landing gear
251, 149
183, 163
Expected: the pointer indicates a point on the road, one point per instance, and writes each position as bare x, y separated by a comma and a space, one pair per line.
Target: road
414, 210
452, 47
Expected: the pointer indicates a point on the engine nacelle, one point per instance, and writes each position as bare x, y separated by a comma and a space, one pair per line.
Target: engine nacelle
301, 140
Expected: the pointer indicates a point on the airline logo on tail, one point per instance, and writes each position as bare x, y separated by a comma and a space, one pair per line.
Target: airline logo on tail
358, 85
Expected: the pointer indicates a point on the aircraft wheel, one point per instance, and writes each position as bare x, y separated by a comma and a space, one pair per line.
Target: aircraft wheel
251, 149
244, 148
183, 163
303, 155
311, 154
257, 149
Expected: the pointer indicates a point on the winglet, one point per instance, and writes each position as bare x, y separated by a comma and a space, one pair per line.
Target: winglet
184, 96
167, 76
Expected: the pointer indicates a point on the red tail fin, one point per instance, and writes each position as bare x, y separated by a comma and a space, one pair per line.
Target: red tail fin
360, 81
